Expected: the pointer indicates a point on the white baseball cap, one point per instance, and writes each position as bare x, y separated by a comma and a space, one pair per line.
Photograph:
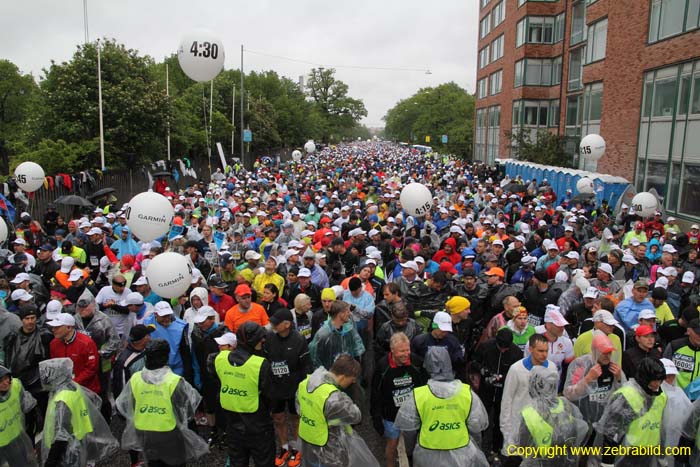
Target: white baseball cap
604, 316
67, 264
53, 309
75, 275
304, 272
572, 255
629, 259
141, 281
163, 309
528, 259
411, 265
688, 277
646, 314
19, 278
203, 313
19, 241
134, 298
668, 248
591, 292
443, 321
252, 254
62, 319
605, 267
21, 295
227, 339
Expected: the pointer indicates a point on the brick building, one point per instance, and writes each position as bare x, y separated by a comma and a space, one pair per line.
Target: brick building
626, 69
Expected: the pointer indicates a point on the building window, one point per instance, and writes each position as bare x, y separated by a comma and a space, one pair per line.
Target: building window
480, 137
554, 112
597, 38
499, 13
484, 57
672, 17
482, 88
576, 69
485, 26
535, 114
522, 2
664, 92
556, 71
539, 30
484, 3
559, 27
537, 71
495, 82
519, 73
578, 23
592, 108
493, 133
497, 48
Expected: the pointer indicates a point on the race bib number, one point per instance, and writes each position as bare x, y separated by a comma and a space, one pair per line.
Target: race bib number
684, 362
280, 368
401, 395
94, 261
305, 330
600, 394
236, 255
534, 320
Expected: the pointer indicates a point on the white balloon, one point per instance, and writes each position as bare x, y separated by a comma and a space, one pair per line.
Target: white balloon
201, 55
592, 147
3, 230
585, 185
416, 199
645, 204
149, 215
310, 146
296, 155
169, 274
30, 176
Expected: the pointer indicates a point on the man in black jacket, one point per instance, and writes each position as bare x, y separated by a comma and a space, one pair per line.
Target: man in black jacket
288, 353
395, 377
249, 431
204, 335
24, 349
46, 267
491, 363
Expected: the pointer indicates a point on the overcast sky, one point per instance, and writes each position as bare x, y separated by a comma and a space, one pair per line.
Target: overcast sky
439, 36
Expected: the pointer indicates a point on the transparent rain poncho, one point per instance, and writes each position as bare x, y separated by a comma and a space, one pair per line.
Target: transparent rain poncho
173, 447
568, 427
340, 412
98, 443
691, 430
20, 450
589, 397
616, 419
677, 406
443, 385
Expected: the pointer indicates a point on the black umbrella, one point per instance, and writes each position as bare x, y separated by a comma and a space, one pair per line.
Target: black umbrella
162, 174
102, 192
582, 198
73, 200
514, 187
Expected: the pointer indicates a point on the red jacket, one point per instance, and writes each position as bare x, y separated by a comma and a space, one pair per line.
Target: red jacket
86, 361
221, 307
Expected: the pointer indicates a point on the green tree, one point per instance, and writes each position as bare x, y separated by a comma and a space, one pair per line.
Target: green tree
443, 110
134, 104
18, 95
546, 148
330, 97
